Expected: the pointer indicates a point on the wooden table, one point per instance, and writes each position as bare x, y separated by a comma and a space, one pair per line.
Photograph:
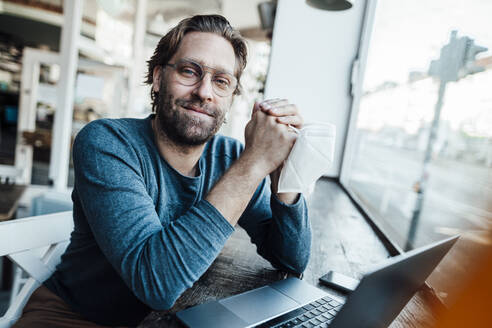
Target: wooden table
10, 195
342, 241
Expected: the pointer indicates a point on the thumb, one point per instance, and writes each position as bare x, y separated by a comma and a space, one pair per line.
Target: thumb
256, 107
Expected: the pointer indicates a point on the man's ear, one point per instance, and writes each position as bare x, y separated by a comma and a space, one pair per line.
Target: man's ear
156, 78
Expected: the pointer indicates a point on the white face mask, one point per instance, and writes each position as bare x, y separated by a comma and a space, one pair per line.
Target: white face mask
310, 158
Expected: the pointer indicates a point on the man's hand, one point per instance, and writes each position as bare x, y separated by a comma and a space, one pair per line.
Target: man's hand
269, 140
287, 114
282, 110
268, 143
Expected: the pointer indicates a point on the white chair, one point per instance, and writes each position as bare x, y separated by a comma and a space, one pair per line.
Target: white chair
35, 244
46, 203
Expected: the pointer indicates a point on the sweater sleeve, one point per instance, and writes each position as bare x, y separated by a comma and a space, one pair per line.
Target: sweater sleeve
281, 232
157, 262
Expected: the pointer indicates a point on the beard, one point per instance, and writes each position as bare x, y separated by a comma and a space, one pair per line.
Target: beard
180, 125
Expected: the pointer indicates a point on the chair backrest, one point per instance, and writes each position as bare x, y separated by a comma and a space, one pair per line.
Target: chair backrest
51, 202
35, 244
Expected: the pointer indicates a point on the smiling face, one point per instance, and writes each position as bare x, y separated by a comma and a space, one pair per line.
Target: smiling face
191, 115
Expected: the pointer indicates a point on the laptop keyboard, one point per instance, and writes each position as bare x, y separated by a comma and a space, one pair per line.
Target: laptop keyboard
315, 314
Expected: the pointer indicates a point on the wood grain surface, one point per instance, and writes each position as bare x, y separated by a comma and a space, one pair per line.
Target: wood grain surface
10, 195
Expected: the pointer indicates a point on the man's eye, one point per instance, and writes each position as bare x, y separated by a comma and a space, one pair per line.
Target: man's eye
222, 82
188, 71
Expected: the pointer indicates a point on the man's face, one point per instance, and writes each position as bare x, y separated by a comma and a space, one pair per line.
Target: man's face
191, 115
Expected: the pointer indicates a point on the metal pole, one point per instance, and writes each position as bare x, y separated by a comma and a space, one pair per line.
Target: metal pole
62, 127
422, 183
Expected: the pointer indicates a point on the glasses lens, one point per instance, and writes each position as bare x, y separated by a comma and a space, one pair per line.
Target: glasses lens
224, 83
189, 73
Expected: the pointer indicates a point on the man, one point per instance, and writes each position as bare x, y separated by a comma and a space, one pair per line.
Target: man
156, 199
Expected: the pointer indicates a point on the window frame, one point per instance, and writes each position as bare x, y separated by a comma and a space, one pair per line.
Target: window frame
357, 80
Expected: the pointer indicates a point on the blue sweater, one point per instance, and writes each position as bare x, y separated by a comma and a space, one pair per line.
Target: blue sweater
144, 233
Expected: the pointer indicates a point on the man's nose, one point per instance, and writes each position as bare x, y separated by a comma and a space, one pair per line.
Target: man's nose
204, 88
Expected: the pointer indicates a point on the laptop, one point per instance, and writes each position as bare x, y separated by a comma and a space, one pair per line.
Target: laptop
378, 299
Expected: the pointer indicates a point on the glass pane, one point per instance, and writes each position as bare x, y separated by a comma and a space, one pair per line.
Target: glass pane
419, 188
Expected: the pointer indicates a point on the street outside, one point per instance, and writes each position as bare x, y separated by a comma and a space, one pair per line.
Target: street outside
458, 200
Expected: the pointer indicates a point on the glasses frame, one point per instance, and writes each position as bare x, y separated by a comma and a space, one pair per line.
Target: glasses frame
204, 69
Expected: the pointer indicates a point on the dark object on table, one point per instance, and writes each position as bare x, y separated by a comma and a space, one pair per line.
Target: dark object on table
339, 281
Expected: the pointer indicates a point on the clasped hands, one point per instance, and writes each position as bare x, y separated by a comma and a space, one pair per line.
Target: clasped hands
270, 138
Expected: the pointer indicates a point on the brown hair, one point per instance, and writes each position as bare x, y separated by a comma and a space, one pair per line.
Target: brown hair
169, 44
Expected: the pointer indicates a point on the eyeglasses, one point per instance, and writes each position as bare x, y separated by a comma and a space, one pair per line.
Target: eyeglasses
190, 73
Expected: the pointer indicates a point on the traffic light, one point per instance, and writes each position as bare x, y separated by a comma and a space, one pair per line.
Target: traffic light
451, 60
472, 50
457, 59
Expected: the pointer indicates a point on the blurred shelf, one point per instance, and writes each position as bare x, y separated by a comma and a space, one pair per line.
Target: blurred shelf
51, 14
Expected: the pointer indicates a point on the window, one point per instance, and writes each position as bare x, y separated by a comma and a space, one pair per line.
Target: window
415, 195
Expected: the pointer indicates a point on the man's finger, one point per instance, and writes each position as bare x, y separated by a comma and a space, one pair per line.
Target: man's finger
256, 107
271, 103
283, 110
294, 120
273, 100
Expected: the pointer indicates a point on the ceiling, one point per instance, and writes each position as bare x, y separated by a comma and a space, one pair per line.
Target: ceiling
161, 14
241, 13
